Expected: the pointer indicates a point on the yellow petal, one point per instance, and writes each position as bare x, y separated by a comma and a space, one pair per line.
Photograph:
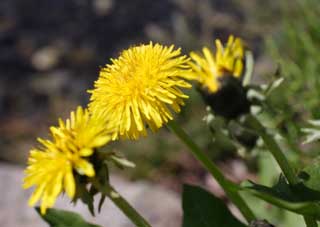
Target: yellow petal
69, 184
85, 152
238, 68
36, 195
136, 115
44, 204
208, 55
100, 141
43, 209
56, 185
84, 167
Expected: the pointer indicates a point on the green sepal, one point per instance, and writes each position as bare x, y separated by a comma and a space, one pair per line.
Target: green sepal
83, 194
121, 162
103, 177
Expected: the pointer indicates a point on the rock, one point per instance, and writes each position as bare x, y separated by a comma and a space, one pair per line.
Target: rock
52, 83
161, 207
103, 7
45, 58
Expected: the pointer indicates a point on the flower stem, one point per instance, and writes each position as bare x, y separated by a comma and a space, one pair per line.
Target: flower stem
228, 186
122, 204
281, 159
275, 150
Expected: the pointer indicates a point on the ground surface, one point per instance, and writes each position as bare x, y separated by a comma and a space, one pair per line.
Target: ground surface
145, 197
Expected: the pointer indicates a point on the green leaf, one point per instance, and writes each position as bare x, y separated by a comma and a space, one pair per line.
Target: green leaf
62, 218
298, 198
201, 208
296, 193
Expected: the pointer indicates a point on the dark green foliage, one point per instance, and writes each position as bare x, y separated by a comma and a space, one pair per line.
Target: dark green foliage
201, 208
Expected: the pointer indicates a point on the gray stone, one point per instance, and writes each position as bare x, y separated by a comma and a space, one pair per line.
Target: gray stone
46, 58
159, 206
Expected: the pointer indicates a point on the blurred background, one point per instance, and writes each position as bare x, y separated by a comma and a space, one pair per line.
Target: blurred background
51, 53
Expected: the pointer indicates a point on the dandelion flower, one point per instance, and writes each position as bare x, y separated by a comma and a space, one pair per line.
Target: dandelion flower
211, 68
51, 168
141, 87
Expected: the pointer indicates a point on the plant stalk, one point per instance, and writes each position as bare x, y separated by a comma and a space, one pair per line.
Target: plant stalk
122, 204
275, 150
228, 186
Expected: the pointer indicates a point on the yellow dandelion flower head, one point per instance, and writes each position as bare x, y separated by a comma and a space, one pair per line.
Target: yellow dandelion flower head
51, 168
228, 60
141, 87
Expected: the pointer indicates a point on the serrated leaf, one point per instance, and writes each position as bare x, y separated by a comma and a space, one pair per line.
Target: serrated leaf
304, 208
298, 198
201, 208
62, 218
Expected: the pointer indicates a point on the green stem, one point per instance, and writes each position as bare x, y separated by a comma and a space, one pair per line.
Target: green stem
123, 205
227, 185
281, 159
275, 150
